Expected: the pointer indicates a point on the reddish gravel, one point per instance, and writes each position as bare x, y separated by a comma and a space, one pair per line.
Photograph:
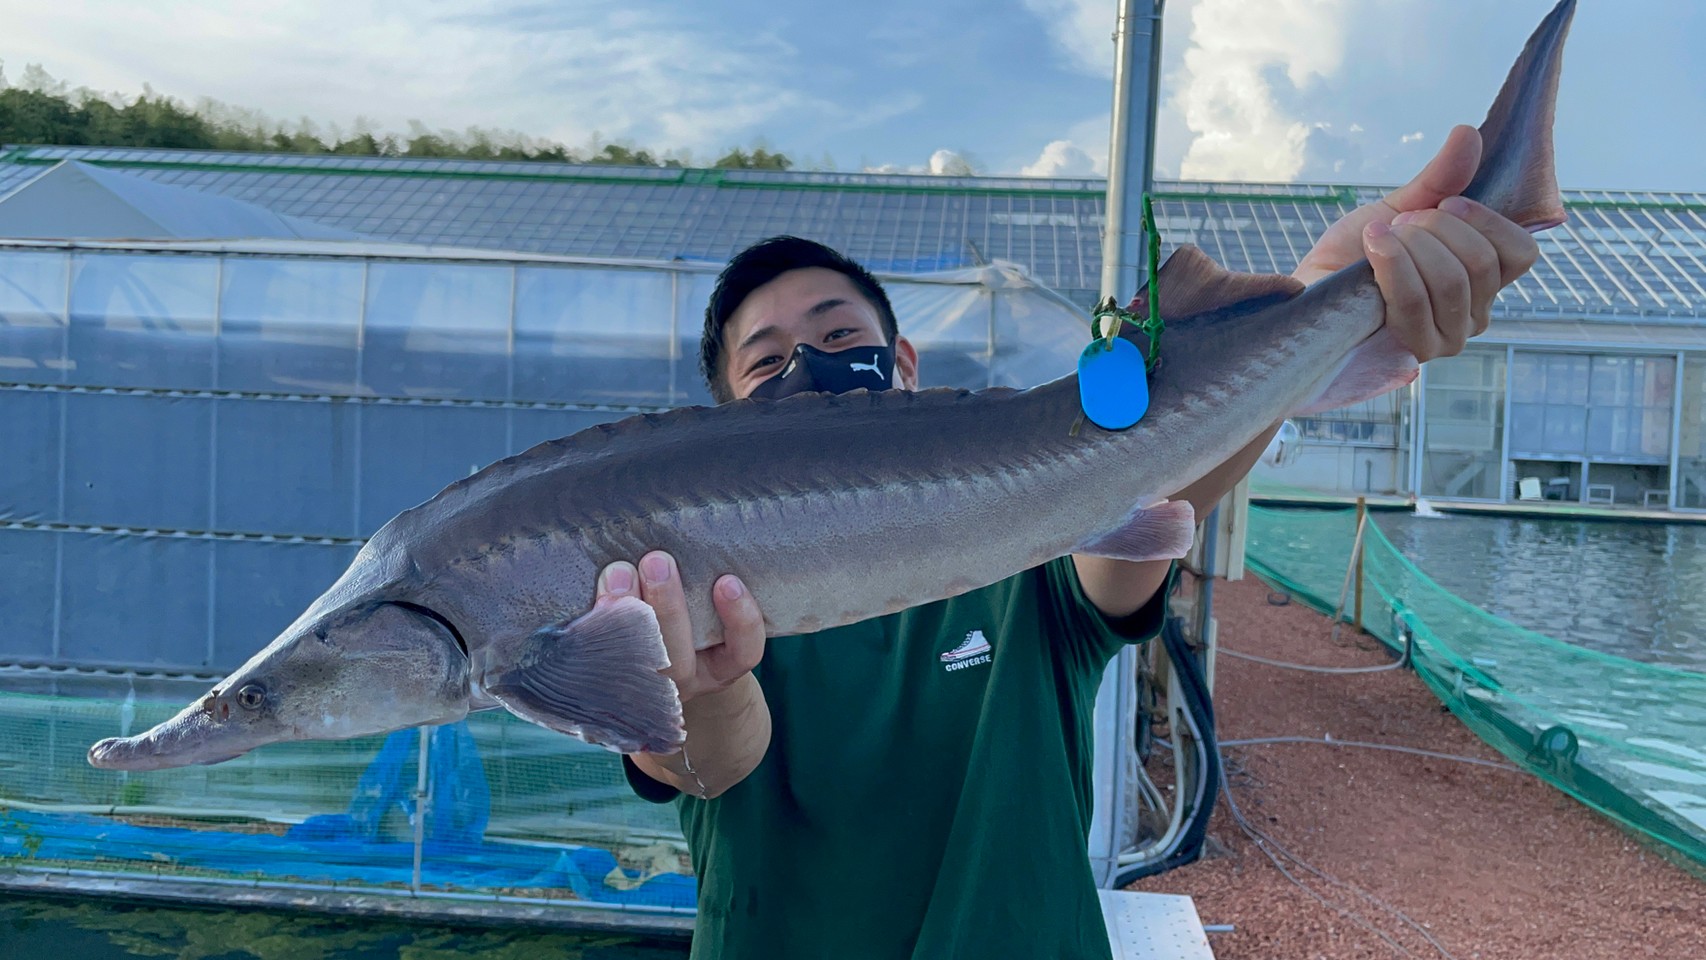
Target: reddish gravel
1490, 863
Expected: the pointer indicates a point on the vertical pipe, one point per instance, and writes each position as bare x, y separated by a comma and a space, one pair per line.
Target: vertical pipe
1137, 64
1674, 498
1418, 433
423, 805
1131, 154
1505, 476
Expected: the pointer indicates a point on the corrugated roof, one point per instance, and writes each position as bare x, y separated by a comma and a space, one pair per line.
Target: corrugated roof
1622, 255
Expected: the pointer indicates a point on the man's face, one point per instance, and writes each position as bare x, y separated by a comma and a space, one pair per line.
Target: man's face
811, 305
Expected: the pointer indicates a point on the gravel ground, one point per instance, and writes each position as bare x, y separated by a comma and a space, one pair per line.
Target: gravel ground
1485, 862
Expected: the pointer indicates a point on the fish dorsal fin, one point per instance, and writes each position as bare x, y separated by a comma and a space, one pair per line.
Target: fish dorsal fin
1191, 283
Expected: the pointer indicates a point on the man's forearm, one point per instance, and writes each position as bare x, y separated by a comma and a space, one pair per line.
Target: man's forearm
1207, 492
727, 735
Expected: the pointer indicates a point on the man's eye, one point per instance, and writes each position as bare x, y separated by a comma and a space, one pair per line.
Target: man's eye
838, 334
767, 361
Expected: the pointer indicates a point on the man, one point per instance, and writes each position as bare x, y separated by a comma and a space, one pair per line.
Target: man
918, 785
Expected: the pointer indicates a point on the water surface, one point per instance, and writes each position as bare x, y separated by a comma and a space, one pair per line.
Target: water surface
1637, 590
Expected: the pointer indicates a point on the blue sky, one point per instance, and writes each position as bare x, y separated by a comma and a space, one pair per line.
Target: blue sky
1357, 91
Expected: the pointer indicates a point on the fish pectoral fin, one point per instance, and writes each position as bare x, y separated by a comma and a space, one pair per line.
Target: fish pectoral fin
1378, 365
1161, 531
597, 678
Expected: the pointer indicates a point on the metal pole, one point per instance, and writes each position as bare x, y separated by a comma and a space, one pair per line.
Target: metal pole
1131, 150
423, 804
1137, 67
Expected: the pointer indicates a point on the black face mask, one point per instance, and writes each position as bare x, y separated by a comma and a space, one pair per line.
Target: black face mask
811, 369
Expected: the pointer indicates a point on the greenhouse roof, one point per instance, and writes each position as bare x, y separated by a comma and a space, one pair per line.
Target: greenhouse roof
1623, 254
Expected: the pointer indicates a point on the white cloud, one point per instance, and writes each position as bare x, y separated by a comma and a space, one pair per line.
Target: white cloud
1061, 158
1238, 129
1410, 137
1083, 30
663, 78
942, 163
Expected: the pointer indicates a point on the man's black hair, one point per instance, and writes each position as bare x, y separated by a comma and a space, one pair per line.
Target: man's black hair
756, 266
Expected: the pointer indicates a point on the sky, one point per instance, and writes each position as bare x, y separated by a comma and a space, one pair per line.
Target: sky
1340, 91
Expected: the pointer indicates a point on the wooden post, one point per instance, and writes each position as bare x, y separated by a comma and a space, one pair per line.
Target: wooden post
1362, 518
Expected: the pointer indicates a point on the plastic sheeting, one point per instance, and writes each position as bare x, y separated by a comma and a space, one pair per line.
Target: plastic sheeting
196, 443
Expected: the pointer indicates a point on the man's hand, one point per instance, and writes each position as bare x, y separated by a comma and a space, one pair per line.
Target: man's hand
695, 672
1439, 258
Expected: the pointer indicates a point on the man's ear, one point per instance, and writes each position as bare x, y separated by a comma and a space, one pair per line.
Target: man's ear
905, 364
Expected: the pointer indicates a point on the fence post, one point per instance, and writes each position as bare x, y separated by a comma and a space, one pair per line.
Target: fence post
1362, 517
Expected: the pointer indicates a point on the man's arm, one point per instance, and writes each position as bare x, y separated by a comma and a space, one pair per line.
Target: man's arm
1439, 260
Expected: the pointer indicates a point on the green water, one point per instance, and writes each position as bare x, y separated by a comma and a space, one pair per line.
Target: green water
96, 929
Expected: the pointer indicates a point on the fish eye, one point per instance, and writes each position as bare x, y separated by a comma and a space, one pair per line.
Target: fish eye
251, 696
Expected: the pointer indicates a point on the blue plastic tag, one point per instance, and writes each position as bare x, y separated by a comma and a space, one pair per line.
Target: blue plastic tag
1113, 384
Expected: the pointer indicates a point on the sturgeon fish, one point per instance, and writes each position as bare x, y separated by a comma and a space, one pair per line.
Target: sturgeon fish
832, 508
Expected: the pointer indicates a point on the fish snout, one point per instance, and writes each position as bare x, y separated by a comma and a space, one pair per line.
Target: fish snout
217, 706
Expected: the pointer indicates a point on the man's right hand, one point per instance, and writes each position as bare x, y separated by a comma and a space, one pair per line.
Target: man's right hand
722, 705
695, 672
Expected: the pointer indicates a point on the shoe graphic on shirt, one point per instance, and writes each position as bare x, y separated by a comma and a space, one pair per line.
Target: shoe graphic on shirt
974, 644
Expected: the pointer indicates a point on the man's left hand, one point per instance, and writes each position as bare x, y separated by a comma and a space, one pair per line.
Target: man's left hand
1438, 257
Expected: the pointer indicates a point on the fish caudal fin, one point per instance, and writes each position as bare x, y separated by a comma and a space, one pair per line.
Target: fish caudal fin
1162, 531
596, 678
1378, 366
1516, 176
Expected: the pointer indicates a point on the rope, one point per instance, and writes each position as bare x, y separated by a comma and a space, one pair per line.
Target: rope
1375, 746
1299, 666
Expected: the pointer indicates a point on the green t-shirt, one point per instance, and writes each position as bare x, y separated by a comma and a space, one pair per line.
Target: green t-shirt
927, 791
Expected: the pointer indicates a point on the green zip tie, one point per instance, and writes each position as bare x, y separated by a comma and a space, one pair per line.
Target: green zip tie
1152, 325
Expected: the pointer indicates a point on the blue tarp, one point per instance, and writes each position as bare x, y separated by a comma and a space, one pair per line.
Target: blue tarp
350, 848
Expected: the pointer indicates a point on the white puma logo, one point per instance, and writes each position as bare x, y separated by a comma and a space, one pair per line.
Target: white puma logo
872, 366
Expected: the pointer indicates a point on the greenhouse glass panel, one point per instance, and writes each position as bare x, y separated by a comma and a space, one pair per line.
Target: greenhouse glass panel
142, 321
409, 454
291, 326
1464, 430
32, 316
26, 593
951, 325
438, 330
138, 461
29, 448
261, 588
593, 336
286, 467
118, 576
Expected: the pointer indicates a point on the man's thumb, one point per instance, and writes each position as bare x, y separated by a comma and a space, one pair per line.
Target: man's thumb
1446, 175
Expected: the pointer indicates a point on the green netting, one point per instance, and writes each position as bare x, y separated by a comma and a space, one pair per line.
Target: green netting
1620, 736
510, 809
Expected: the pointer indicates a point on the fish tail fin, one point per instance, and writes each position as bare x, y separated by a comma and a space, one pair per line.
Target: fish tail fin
1517, 177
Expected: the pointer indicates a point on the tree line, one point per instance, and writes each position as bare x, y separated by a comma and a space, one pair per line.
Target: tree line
42, 110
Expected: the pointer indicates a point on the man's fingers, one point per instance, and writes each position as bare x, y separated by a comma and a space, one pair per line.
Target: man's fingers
1476, 260
743, 631
1445, 175
1514, 247
660, 586
1409, 313
1448, 289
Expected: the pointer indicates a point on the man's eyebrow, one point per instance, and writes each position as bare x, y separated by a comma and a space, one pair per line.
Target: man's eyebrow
756, 336
825, 307
771, 329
